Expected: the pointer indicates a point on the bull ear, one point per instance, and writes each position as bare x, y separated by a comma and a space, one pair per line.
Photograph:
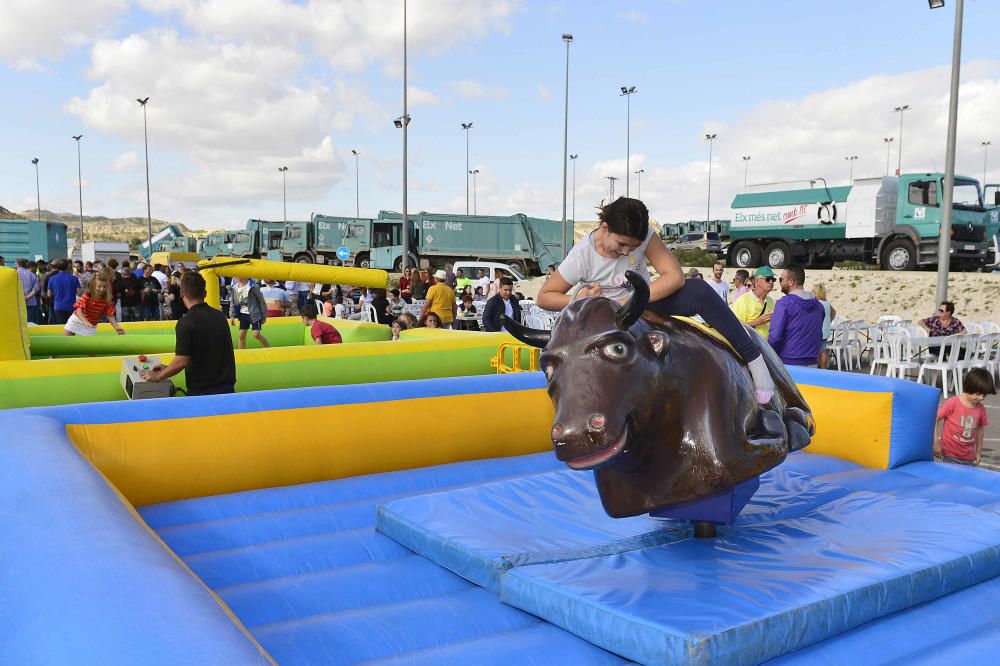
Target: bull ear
529, 336
659, 342
632, 310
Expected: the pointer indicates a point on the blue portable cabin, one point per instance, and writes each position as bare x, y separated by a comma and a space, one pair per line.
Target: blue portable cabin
32, 239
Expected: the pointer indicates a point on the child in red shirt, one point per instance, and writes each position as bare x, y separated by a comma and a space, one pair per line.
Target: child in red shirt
963, 418
321, 332
95, 303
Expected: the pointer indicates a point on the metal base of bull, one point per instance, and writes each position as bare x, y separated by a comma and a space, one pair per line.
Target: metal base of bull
708, 512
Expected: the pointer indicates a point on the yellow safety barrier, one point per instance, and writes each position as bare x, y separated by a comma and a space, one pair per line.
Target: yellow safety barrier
516, 365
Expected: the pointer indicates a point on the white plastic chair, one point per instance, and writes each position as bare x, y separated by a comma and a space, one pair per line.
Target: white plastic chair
975, 357
991, 359
840, 348
990, 327
974, 328
944, 362
880, 351
369, 314
888, 319
901, 352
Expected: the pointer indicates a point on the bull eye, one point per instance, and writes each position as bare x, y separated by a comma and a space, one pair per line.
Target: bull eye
615, 351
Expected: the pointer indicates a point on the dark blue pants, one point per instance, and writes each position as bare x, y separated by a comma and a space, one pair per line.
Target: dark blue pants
60, 317
697, 298
34, 314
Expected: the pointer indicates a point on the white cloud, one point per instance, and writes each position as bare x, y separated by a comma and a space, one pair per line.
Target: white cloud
418, 96
467, 89
632, 16
31, 30
126, 161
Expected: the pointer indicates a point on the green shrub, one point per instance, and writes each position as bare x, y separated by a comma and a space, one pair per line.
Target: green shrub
698, 258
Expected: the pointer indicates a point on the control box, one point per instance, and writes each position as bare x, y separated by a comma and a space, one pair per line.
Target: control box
137, 388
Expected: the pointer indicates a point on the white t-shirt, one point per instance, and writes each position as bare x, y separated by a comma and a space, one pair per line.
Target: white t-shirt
583, 265
721, 288
508, 310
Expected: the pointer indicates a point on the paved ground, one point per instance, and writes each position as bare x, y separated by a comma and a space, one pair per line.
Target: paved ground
991, 440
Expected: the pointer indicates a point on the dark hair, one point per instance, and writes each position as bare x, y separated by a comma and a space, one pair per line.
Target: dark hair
626, 217
978, 380
423, 320
63, 265
309, 311
742, 275
949, 306
112, 263
506, 282
395, 292
797, 273
193, 285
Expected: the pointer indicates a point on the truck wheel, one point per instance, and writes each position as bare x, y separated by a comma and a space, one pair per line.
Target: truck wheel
362, 260
745, 254
778, 254
303, 259
899, 255
397, 266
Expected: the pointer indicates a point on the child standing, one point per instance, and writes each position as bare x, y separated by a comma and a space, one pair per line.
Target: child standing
960, 438
321, 332
95, 303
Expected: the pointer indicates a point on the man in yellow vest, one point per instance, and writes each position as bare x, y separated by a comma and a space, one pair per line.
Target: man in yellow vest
755, 307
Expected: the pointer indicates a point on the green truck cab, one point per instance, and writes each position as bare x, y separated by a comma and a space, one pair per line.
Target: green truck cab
893, 222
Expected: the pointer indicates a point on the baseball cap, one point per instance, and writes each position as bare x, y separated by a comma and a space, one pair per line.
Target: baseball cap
763, 271
440, 275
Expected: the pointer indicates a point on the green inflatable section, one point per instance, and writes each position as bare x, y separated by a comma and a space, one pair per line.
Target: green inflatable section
97, 380
159, 339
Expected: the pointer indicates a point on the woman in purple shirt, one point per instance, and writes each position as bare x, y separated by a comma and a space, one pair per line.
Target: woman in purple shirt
943, 323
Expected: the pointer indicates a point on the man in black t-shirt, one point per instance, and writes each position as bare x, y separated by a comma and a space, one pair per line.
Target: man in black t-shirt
204, 347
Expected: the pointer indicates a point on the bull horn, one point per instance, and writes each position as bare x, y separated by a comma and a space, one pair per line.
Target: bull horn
632, 310
529, 336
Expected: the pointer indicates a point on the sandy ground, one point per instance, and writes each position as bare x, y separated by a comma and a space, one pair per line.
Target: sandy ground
868, 294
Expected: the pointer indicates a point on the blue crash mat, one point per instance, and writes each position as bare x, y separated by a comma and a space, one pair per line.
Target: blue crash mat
806, 561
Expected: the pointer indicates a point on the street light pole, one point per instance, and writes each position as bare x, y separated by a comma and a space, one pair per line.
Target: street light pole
284, 198
850, 159
79, 181
573, 157
357, 185
568, 38
899, 148
638, 182
746, 169
404, 122
888, 143
145, 141
986, 151
944, 240
475, 207
38, 193
708, 209
467, 127
611, 186
627, 92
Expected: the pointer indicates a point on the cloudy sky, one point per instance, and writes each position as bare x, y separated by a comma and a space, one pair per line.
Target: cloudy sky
240, 88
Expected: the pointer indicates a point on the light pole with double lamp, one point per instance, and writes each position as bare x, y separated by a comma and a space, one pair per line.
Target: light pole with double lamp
568, 38
611, 187
467, 127
79, 181
638, 183
38, 193
573, 157
708, 209
145, 142
474, 173
627, 92
986, 151
899, 147
944, 240
284, 198
357, 184
850, 159
746, 169
888, 145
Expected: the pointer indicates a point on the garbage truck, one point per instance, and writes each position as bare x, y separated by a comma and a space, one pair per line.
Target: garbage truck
892, 221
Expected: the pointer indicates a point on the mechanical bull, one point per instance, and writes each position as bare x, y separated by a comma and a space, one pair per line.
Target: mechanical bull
664, 413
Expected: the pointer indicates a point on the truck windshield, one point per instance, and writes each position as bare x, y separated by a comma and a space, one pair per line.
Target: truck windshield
966, 194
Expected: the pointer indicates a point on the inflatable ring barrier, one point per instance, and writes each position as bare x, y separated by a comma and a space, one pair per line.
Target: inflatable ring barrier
222, 542
157, 337
14, 341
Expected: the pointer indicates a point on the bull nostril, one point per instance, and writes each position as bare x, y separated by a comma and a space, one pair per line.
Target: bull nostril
597, 421
557, 431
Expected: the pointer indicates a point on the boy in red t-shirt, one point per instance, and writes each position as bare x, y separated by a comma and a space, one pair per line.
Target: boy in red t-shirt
963, 418
321, 332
